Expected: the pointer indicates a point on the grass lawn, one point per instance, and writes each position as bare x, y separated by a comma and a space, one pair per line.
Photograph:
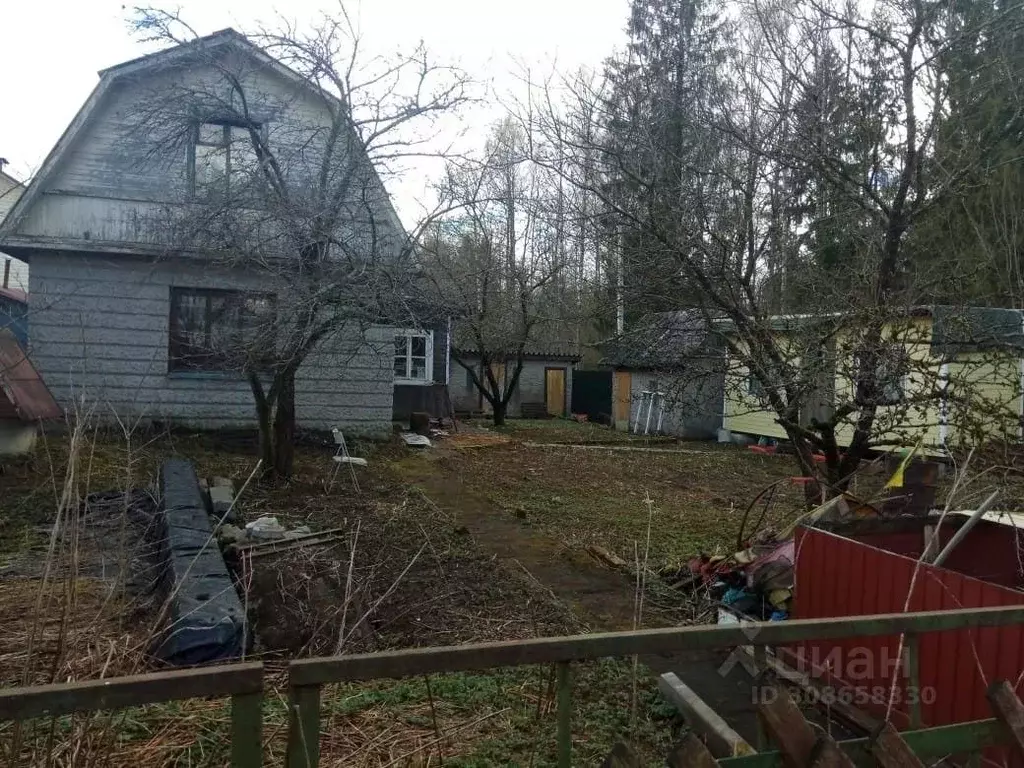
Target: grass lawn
584, 496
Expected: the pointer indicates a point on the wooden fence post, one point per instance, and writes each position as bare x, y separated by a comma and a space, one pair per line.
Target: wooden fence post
304, 726
564, 684
247, 730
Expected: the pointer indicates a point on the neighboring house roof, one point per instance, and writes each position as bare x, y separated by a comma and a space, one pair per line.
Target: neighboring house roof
659, 341
963, 329
552, 350
14, 294
226, 38
954, 328
24, 391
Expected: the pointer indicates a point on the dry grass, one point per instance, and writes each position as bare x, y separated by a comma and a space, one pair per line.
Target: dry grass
87, 619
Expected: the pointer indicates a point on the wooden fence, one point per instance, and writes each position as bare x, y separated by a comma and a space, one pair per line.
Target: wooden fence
244, 682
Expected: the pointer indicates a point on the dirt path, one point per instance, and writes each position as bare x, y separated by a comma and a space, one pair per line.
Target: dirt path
625, 448
601, 597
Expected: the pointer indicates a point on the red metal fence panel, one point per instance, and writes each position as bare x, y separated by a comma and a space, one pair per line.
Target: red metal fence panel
838, 576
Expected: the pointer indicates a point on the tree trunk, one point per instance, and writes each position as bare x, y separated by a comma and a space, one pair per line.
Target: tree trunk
264, 422
284, 427
498, 413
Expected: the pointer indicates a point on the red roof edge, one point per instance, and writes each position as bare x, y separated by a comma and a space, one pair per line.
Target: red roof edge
21, 383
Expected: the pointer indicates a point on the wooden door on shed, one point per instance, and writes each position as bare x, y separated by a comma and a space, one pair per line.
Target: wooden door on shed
554, 391
498, 369
623, 382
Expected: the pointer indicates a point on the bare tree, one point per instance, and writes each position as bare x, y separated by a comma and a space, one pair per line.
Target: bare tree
498, 266
772, 172
285, 184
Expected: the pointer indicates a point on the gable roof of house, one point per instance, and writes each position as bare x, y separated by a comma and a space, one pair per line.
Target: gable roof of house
225, 38
658, 341
24, 393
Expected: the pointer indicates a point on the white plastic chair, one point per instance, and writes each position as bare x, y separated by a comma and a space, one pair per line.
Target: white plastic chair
342, 456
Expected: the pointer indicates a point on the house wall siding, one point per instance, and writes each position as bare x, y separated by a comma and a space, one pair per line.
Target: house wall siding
17, 276
99, 338
123, 182
529, 389
984, 399
693, 404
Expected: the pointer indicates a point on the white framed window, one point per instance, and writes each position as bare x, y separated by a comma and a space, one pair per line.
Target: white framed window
414, 357
223, 157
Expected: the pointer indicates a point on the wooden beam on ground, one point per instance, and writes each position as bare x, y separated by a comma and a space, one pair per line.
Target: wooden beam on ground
691, 753
622, 756
1007, 708
891, 751
848, 712
928, 743
722, 740
606, 556
787, 727
827, 754
119, 693
479, 656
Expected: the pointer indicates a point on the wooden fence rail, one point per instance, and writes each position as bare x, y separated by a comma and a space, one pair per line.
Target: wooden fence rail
244, 682
306, 676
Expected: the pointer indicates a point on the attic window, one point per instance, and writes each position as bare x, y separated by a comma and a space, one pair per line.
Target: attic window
224, 157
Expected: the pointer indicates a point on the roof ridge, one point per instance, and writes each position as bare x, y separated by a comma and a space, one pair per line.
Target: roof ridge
221, 35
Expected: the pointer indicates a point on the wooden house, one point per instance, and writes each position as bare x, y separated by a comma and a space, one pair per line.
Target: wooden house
125, 319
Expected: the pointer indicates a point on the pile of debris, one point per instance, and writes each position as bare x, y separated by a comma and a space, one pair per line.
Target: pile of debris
262, 531
756, 582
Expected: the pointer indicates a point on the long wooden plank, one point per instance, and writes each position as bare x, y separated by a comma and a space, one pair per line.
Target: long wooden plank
304, 727
564, 694
815, 690
551, 650
691, 753
1008, 710
722, 740
121, 692
788, 729
827, 754
926, 743
891, 751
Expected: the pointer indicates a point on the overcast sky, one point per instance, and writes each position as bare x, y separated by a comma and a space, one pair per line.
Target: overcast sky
53, 49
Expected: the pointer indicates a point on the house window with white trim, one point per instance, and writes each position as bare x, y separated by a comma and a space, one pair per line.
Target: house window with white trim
414, 357
223, 157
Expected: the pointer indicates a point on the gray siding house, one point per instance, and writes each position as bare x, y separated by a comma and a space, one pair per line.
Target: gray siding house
119, 316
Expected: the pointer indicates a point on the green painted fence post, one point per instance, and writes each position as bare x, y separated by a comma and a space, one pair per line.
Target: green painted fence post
564, 715
304, 726
913, 680
247, 730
